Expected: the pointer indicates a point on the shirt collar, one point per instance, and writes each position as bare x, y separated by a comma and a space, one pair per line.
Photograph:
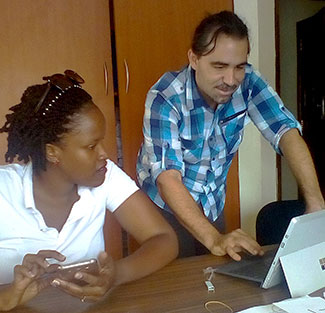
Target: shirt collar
194, 100
78, 211
28, 186
193, 96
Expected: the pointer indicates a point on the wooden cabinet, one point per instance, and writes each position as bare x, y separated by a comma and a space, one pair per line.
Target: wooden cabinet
152, 37
41, 37
128, 44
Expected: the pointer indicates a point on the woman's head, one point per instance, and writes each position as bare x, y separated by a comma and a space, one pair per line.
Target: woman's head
46, 112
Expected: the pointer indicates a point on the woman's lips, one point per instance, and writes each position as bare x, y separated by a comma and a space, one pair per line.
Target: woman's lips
102, 168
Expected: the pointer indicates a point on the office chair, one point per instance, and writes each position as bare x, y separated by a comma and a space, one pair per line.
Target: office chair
273, 219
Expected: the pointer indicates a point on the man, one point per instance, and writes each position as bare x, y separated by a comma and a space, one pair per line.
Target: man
193, 125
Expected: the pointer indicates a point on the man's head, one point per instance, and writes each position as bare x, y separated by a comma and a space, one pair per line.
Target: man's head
218, 55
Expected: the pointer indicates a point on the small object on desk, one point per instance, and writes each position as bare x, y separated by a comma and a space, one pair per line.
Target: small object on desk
210, 286
208, 283
219, 303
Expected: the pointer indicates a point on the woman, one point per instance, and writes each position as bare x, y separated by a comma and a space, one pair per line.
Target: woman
53, 207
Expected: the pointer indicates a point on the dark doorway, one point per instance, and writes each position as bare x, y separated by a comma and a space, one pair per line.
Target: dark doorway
311, 87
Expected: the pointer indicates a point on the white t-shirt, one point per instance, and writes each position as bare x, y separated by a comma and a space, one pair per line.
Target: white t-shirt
22, 227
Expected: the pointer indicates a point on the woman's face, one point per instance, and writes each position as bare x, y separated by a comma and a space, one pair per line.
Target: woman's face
81, 154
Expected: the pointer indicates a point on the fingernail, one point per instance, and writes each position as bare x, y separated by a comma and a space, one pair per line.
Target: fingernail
78, 275
55, 283
31, 274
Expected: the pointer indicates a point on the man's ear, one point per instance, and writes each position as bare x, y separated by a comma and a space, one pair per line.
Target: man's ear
192, 58
52, 153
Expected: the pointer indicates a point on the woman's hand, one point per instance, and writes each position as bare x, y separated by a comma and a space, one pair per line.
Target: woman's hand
97, 285
27, 283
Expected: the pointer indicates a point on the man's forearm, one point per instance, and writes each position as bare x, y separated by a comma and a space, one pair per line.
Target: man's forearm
300, 161
178, 198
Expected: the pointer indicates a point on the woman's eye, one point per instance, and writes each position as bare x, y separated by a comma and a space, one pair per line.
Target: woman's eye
92, 147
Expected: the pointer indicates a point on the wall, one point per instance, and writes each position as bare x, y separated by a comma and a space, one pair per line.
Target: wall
257, 160
288, 65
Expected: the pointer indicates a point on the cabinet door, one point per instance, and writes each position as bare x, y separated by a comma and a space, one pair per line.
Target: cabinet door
152, 37
41, 37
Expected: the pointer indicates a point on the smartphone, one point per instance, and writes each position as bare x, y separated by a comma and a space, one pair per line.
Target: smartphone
67, 271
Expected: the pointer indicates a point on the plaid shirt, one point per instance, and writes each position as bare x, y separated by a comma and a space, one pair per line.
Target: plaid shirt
182, 132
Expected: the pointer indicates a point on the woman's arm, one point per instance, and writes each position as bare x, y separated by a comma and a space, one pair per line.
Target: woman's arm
158, 246
158, 242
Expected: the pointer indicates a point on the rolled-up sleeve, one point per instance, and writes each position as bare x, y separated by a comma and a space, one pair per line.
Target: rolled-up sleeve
161, 136
267, 111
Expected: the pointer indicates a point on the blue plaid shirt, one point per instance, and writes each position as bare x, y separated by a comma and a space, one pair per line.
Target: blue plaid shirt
182, 132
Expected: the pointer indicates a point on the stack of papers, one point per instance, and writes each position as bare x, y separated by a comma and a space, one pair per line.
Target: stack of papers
304, 304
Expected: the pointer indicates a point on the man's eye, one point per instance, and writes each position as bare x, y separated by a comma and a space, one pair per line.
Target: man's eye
91, 147
241, 67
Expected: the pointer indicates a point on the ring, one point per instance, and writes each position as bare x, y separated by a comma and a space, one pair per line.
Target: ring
83, 299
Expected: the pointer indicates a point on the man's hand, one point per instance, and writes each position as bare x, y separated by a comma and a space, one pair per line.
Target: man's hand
97, 285
234, 242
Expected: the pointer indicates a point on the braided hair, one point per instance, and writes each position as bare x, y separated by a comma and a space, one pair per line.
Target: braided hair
30, 131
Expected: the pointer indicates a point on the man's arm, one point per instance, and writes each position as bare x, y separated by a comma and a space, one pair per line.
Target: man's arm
178, 198
296, 152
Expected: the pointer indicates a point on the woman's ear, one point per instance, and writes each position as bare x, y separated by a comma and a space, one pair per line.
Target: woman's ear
192, 58
52, 153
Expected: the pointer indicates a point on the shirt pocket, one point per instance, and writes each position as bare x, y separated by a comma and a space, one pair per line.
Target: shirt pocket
232, 132
192, 149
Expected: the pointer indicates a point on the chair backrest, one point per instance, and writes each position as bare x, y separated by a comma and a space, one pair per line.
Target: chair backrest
273, 219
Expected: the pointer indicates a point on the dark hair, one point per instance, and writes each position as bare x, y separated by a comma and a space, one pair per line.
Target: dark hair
30, 131
207, 32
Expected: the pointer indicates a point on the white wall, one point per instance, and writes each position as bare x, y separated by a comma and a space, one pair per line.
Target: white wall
257, 159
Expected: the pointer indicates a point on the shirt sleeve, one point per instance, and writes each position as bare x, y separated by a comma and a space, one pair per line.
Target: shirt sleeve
161, 135
267, 111
118, 186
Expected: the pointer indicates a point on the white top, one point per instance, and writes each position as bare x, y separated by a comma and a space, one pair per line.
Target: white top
22, 227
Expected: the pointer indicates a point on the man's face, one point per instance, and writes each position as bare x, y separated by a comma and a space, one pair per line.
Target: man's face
220, 73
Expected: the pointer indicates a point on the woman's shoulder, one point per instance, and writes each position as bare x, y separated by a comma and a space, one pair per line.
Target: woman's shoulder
12, 171
116, 178
12, 177
115, 173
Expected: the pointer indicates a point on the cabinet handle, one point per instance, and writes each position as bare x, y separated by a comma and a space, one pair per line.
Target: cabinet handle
106, 78
127, 76
323, 108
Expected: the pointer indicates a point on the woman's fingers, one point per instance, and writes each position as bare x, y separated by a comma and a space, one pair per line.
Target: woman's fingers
96, 284
38, 264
